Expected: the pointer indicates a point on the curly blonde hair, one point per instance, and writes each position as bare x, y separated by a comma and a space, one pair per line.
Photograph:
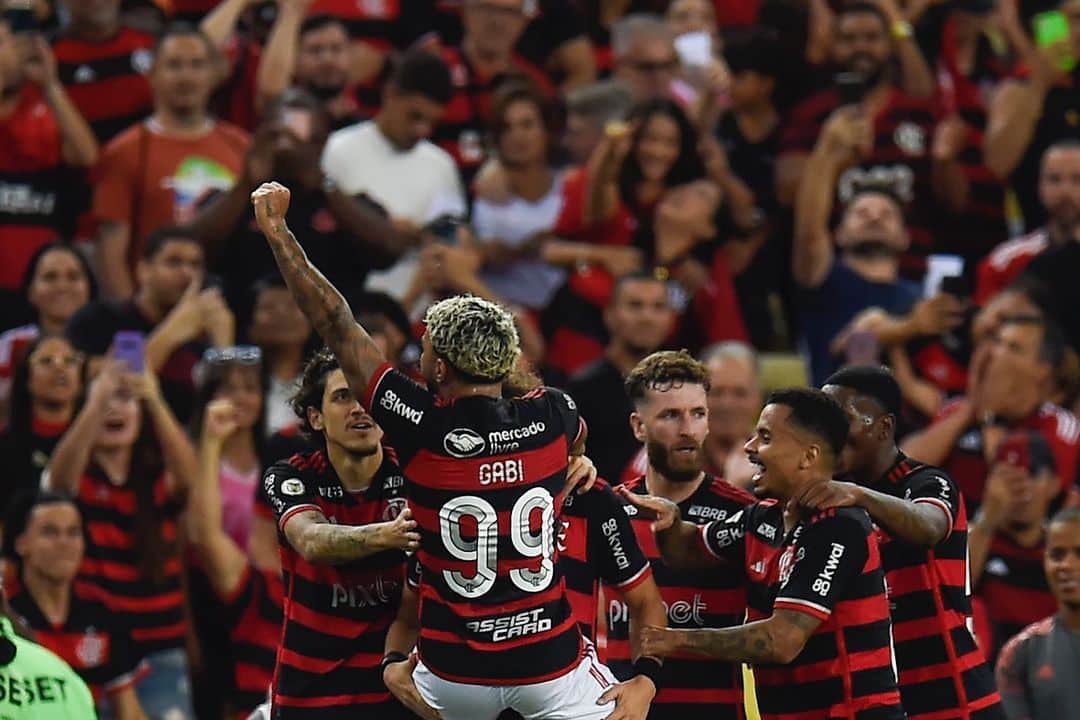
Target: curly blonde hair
478, 338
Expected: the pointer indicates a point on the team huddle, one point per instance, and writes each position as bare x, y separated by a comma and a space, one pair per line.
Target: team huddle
479, 569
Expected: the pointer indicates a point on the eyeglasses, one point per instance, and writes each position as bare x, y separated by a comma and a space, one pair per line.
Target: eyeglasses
239, 354
50, 361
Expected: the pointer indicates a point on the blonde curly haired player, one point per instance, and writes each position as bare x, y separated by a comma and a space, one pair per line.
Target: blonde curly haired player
478, 338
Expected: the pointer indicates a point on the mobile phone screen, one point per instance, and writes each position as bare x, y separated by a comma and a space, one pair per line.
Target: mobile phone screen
130, 347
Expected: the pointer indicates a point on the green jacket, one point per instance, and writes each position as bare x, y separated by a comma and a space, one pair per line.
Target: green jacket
37, 685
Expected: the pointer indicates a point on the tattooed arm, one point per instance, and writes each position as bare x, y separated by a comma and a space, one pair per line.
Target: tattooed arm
777, 640
320, 301
321, 542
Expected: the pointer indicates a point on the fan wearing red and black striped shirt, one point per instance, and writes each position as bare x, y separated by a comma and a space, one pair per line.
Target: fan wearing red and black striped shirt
343, 529
923, 534
669, 395
818, 634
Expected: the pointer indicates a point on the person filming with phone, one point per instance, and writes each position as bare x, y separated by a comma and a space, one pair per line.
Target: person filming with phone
346, 235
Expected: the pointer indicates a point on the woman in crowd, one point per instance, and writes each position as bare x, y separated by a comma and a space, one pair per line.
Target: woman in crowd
129, 463
58, 282
44, 537
47, 384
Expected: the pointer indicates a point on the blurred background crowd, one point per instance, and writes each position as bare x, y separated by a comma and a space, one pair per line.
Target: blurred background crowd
781, 186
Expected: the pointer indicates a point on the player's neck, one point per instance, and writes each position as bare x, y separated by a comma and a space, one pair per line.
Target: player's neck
52, 598
457, 390
355, 471
879, 269
885, 461
657, 484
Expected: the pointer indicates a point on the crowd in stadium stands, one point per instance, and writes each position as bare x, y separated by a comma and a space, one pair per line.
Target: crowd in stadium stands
785, 188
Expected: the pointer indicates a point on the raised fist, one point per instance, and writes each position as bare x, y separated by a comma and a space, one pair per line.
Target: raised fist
271, 201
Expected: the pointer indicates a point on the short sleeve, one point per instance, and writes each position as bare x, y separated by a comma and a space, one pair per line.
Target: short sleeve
114, 186
613, 548
125, 667
828, 556
287, 493
725, 538
399, 405
413, 572
1011, 673
936, 488
572, 421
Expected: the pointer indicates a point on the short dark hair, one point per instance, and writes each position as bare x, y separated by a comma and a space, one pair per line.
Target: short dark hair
1067, 515
1052, 345
419, 72
310, 393
320, 21
165, 235
183, 29
754, 49
816, 413
862, 7
636, 276
874, 382
18, 514
663, 371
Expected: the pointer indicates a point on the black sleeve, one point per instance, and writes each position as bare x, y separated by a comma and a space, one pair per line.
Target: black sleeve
827, 558
937, 488
613, 548
400, 406
725, 538
567, 409
413, 572
125, 666
287, 492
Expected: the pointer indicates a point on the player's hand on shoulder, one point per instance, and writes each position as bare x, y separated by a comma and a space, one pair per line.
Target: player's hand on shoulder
580, 474
632, 698
827, 495
661, 511
398, 678
400, 533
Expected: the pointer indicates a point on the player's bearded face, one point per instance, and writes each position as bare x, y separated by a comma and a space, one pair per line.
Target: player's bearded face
681, 461
344, 422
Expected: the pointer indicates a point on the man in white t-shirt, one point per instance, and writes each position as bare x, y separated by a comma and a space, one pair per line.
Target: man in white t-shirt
390, 159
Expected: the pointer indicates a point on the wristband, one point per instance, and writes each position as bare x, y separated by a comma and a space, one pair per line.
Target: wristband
392, 657
649, 667
901, 30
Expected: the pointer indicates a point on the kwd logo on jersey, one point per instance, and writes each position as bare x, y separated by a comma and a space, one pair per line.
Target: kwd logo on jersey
463, 443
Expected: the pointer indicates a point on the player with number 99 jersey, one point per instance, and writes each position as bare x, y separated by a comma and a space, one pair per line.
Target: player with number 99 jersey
485, 475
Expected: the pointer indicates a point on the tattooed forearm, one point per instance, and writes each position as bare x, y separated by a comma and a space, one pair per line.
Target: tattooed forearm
326, 309
777, 640
922, 524
328, 544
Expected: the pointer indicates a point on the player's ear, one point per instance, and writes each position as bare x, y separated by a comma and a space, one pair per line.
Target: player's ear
637, 425
315, 419
441, 370
810, 457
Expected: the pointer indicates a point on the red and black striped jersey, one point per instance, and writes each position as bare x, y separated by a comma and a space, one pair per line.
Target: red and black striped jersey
336, 616
107, 81
691, 687
253, 614
1013, 589
899, 161
829, 567
463, 130
1006, 263
596, 545
152, 608
943, 673
486, 477
92, 639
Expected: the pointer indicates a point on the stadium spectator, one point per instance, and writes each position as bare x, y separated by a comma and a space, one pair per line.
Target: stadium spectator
128, 462
923, 529
668, 391
1011, 380
1030, 114
155, 172
251, 598
239, 30
734, 404
57, 284
44, 535
639, 319
391, 160
1008, 538
348, 235
178, 315
589, 110
794, 632
104, 66
47, 386
1059, 194
42, 139
643, 54
285, 338
511, 230
1037, 669
863, 271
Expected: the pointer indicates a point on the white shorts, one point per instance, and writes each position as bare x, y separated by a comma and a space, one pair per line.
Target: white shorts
570, 697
